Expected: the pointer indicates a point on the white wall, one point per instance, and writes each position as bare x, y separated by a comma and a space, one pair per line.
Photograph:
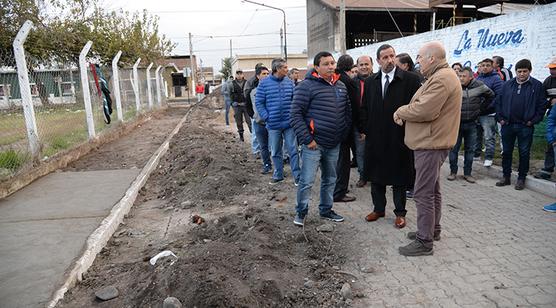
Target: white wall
530, 35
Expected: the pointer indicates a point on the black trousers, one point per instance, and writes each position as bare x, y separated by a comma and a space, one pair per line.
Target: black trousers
378, 193
343, 168
240, 113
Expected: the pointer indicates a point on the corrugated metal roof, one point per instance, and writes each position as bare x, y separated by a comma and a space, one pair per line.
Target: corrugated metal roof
380, 4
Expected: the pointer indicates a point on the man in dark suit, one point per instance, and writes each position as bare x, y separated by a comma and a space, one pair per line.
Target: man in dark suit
388, 161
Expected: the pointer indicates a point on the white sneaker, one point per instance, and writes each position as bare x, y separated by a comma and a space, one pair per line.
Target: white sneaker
487, 163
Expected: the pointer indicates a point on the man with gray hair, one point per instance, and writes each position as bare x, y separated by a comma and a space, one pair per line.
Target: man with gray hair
273, 102
431, 129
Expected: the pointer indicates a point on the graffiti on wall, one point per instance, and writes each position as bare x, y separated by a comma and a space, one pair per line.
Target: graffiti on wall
487, 40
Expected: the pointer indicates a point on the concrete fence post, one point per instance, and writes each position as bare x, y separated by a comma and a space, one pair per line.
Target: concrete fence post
136, 87
25, 88
149, 90
116, 81
157, 76
86, 91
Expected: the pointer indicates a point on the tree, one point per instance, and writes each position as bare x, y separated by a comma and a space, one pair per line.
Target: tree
226, 69
60, 36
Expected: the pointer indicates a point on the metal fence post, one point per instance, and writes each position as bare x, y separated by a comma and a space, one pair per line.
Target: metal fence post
158, 97
136, 88
149, 90
116, 81
86, 91
25, 88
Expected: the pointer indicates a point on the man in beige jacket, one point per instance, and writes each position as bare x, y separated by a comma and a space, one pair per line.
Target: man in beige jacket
431, 129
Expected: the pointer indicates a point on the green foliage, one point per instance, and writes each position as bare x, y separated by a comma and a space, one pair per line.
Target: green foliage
11, 160
62, 27
226, 69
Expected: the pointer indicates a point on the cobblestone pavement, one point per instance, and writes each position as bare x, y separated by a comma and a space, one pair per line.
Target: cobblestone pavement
497, 250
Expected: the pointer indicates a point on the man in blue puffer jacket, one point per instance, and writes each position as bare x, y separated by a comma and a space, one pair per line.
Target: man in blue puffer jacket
487, 128
321, 118
273, 102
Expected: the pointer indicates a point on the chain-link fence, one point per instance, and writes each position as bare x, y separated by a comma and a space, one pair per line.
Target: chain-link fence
14, 146
56, 111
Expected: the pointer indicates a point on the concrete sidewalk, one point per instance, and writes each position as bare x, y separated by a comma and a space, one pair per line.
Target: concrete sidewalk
44, 227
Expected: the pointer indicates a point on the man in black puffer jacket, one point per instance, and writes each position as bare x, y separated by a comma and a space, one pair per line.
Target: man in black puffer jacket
321, 118
476, 98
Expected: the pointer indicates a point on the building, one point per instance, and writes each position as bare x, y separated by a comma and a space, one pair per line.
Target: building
177, 75
247, 63
372, 21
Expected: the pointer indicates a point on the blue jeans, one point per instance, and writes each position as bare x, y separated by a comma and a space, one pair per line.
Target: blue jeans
524, 136
311, 160
228, 103
488, 123
359, 152
262, 137
275, 139
255, 146
468, 134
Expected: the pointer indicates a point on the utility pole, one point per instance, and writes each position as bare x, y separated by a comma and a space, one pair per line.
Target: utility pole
230, 49
191, 64
285, 31
342, 26
281, 42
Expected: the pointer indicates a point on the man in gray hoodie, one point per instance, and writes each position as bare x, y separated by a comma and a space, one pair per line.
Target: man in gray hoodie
476, 98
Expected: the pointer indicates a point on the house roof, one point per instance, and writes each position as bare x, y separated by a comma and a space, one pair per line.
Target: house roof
381, 5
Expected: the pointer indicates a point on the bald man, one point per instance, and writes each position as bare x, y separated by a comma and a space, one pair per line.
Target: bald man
431, 129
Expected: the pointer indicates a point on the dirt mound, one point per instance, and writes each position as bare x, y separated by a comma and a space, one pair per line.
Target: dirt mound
246, 253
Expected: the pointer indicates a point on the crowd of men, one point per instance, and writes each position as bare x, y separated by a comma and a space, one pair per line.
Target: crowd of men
399, 125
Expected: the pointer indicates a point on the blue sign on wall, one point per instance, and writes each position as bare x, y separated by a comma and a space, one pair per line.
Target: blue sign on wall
488, 40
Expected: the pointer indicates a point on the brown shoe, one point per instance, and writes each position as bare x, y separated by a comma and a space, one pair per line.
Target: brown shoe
361, 183
400, 222
520, 184
451, 177
469, 179
345, 198
374, 216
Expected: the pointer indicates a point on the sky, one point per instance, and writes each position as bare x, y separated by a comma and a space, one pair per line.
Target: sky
253, 29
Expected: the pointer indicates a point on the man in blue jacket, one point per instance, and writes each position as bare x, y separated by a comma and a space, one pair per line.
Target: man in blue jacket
487, 122
321, 118
273, 102
519, 107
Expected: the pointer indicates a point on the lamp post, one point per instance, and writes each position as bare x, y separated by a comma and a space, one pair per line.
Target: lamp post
283, 12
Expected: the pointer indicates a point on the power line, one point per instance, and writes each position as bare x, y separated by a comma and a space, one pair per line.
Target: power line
243, 48
218, 11
238, 35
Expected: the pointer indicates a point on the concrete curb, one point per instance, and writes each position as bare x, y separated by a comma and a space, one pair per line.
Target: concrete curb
544, 187
98, 239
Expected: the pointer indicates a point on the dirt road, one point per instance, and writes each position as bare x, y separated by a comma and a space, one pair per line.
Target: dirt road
246, 253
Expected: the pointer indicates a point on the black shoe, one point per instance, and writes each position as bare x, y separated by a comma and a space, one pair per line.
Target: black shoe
275, 181
409, 194
413, 236
241, 137
545, 175
503, 182
414, 249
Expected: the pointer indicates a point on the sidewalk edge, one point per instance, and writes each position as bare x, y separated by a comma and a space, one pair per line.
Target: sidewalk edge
98, 239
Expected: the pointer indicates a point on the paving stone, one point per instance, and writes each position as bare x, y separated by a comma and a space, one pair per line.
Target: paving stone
497, 248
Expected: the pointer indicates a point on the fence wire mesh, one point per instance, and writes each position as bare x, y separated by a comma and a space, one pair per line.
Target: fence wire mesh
59, 106
14, 145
